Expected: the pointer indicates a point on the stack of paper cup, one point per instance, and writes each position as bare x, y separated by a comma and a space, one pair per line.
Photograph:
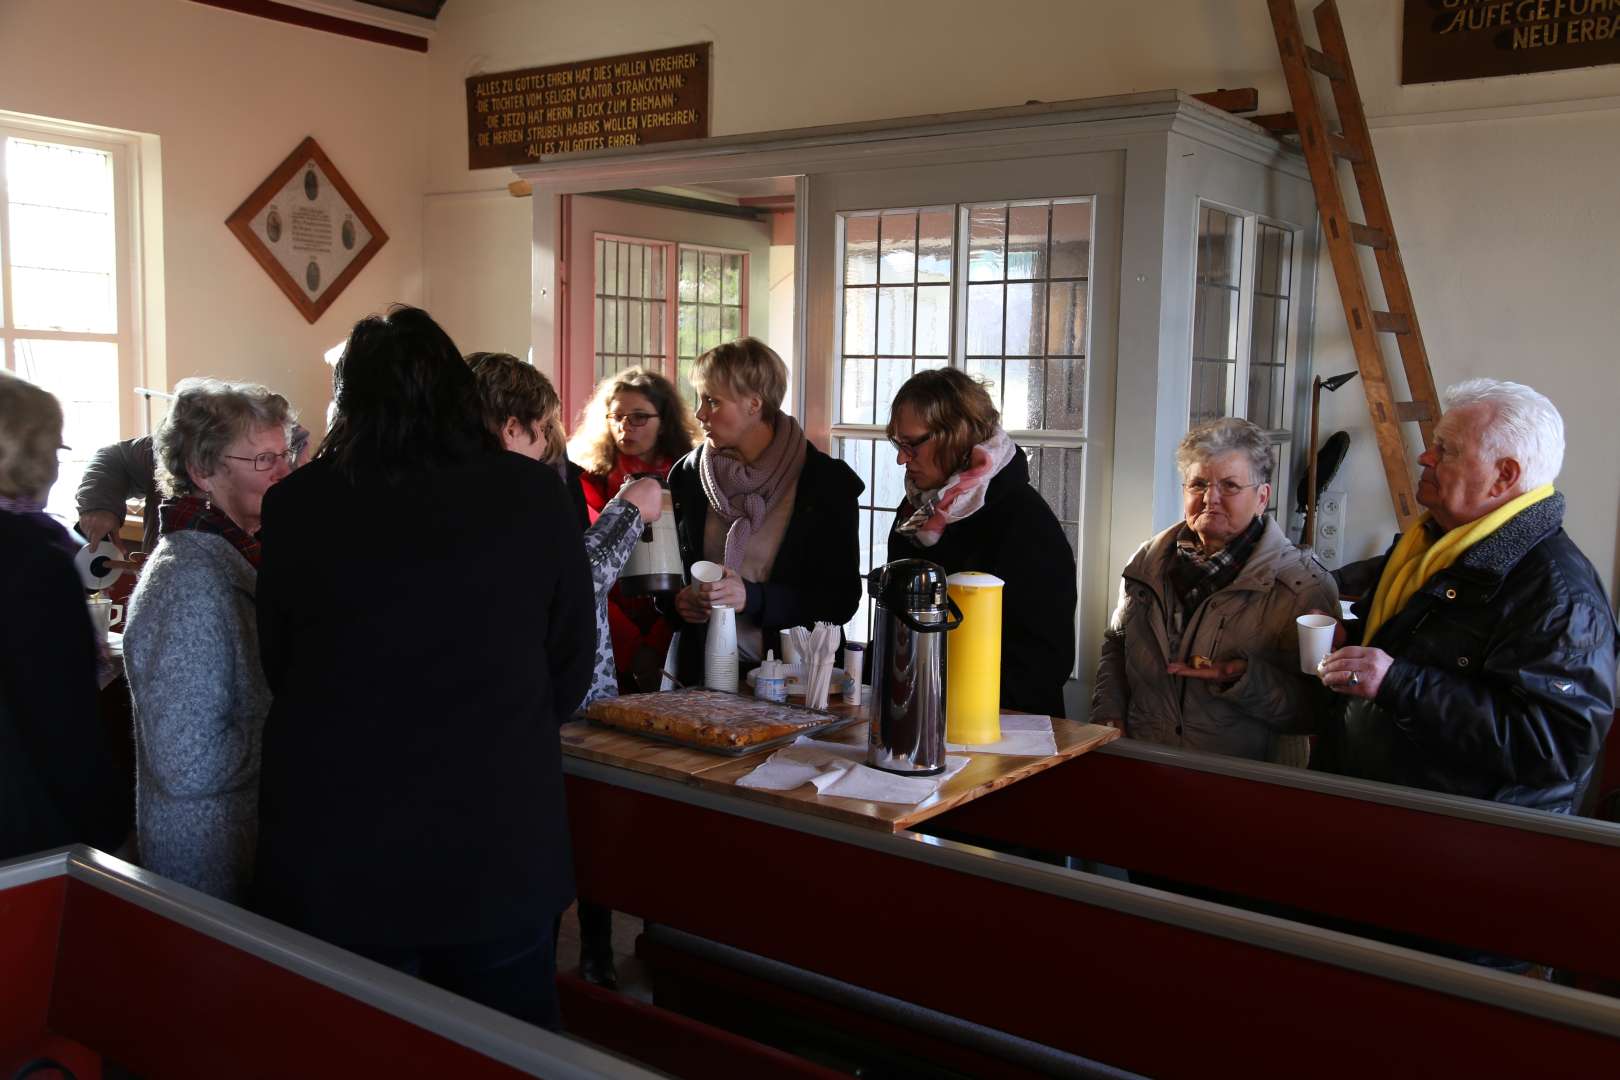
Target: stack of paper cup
720, 650
1315, 641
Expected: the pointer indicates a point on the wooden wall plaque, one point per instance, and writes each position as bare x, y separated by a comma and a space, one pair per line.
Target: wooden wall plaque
1443, 40
515, 117
308, 229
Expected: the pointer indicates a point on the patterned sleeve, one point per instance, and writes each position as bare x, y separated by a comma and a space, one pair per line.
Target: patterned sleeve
608, 543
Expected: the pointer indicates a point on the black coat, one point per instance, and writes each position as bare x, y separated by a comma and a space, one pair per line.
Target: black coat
423, 643
59, 778
1016, 537
1502, 686
817, 573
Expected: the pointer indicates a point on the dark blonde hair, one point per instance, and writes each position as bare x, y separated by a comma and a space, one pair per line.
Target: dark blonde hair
593, 447
206, 417
30, 432
745, 366
954, 407
510, 389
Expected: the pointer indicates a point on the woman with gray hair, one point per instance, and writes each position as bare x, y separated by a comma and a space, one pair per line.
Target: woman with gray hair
1202, 652
191, 649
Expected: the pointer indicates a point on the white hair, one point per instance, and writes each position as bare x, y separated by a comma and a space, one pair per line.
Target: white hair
1523, 425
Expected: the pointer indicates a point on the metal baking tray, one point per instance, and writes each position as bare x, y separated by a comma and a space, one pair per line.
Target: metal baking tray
833, 722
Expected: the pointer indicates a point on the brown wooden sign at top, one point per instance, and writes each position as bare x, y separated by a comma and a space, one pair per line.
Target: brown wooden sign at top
515, 117
1472, 39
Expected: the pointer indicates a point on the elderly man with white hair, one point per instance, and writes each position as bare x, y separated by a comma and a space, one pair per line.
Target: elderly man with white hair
1486, 665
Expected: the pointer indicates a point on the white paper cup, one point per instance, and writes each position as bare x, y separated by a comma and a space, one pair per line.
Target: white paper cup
790, 648
1315, 640
706, 571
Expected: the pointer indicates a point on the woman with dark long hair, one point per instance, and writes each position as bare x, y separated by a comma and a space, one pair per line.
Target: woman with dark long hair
411, 803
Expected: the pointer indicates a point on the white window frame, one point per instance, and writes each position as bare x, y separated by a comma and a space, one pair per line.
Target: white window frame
127, 151
1284, 439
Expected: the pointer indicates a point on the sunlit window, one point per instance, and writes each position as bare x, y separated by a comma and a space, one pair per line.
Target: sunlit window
60, 312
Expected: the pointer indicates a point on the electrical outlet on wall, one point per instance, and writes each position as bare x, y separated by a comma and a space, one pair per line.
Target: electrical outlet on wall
1330, 518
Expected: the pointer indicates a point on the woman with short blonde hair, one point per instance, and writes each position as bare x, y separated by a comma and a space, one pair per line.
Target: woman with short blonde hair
758, 498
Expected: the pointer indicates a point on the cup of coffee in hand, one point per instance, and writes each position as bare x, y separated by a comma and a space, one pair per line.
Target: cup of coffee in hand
1315, 641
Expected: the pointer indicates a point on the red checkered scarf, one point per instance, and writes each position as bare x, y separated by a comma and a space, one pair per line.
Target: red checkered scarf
189, 512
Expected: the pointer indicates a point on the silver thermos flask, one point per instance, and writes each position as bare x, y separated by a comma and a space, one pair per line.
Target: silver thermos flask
911, 614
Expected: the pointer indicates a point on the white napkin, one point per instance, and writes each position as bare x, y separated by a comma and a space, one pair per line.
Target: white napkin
837, 769
1021, 736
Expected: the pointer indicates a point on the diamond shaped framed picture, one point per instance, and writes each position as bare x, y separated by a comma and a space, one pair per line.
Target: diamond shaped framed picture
308, 229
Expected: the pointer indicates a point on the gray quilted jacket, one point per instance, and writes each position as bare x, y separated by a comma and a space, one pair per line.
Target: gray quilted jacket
192, 657
1252, 618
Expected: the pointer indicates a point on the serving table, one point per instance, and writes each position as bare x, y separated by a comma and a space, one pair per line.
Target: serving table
983, 774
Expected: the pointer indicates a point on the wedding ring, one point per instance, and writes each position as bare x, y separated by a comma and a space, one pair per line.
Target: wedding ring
1355, 680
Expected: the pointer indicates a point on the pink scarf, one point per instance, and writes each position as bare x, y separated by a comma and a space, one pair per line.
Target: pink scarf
744, 495
961, 494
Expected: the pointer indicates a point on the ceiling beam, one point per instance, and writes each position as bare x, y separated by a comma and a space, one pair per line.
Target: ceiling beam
316, 20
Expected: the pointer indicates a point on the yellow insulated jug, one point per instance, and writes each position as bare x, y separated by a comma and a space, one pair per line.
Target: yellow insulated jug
973, 701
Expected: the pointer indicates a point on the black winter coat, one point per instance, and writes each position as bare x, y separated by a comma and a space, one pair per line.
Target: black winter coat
1503, 681
423, 642
1016, 537
59, 779
817, 573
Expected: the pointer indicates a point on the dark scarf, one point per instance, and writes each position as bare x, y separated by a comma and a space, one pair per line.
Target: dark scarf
1196, 575
189, 512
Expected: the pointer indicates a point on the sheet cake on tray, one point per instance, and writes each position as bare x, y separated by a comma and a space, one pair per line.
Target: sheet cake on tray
710, 720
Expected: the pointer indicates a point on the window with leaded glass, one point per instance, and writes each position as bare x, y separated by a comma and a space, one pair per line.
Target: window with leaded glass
1241, 342
631, 300
998, 289
713, 287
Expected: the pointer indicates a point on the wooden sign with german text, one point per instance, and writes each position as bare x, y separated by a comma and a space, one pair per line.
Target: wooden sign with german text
1472, 39
515, 117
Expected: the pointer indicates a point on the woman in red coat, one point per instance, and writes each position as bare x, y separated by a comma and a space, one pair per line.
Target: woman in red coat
635, 424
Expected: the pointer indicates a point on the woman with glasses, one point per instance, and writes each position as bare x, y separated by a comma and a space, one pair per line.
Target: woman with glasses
1202, 652
411, 808
758, 498
969, 506
191, 650
635, 425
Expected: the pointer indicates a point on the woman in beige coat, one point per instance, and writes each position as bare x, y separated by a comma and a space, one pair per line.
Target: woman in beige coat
1202, 652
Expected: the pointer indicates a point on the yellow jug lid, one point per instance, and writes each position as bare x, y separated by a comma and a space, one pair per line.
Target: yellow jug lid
974, 579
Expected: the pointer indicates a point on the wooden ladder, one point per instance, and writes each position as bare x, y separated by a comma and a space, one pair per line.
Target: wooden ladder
1324, 149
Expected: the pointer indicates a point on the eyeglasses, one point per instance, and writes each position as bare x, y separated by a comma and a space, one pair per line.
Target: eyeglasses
909, 447
266, 461
632, 420
1228, 488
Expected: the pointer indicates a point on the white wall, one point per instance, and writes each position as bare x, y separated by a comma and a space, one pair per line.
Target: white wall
229, 96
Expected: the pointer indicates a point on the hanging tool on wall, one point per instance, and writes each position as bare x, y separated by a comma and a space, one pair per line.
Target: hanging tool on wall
1324, 149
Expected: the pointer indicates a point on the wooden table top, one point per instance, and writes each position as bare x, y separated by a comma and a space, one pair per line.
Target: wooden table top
984, 773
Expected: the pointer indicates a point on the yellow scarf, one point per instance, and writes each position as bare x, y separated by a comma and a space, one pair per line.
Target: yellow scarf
1417, 558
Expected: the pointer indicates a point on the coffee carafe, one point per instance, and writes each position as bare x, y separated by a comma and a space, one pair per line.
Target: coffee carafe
654, 565
912, 612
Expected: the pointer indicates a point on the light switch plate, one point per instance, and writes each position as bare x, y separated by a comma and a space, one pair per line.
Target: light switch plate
1330, 518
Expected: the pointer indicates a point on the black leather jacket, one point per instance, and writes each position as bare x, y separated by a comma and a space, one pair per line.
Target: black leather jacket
1503, 682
